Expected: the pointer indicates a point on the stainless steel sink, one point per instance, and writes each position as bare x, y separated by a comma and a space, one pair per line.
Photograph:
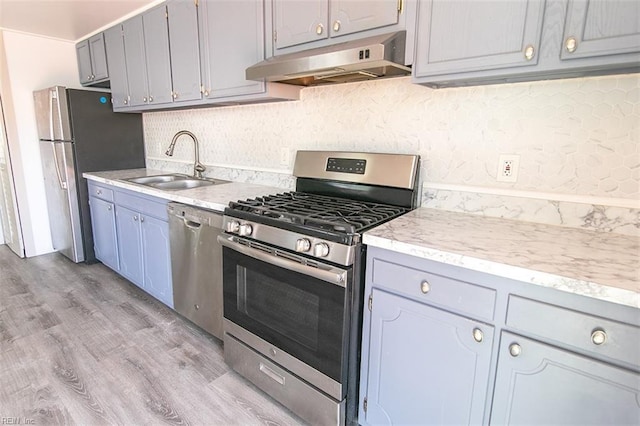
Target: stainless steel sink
148, 180
182, 184
175, 181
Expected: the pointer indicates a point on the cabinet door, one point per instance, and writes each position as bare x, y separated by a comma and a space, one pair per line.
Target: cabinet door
114, 46
129, 244
547, 385
601, 27
103, 225
425, 367
184, 49
157, 259
98, 58
156, 43
84, 61
464, 36
348, 16
224, 64
135, 60
299, 21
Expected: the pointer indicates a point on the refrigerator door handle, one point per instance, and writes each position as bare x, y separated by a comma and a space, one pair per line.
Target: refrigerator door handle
51, 131
62, 183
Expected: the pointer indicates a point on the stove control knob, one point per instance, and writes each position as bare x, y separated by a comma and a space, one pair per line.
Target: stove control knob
245, 230
233, 226
303, 245
321, 250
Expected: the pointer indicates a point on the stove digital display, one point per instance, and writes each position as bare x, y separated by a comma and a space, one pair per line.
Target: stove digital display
346, 165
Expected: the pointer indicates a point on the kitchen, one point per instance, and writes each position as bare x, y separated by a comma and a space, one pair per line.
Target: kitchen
577, 140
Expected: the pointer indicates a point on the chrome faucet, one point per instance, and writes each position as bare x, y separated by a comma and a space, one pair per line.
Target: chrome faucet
198, 167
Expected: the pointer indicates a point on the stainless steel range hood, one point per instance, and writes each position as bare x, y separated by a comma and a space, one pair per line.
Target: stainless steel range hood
364, 59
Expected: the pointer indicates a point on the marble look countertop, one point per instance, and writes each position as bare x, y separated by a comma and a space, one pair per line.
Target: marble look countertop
214, 197
602, 265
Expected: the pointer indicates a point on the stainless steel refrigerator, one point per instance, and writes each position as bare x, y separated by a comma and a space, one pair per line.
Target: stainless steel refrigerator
79, 132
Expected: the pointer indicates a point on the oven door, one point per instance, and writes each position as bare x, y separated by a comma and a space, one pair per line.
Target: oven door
296, 304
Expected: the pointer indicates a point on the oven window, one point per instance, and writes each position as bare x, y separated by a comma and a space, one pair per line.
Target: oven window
286, 309
302, 315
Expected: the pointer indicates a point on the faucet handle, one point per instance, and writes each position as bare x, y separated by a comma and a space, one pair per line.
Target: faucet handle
198, 168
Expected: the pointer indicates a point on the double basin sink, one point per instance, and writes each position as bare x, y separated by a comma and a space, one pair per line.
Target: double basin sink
175, 181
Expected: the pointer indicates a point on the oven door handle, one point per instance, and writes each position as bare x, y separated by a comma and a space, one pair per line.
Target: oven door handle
329, 274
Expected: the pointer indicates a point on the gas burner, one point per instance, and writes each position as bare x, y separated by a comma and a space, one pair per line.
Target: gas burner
312, 212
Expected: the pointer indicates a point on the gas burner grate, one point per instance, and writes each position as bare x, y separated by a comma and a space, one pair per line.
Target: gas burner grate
318, 212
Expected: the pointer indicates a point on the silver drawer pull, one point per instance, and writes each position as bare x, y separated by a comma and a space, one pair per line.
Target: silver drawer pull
598, 337
98, 192
425, 287
515, 349
478, 335
271, 374
571, 44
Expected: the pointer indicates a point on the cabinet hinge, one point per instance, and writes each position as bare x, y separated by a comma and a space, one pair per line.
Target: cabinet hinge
364, 404
370, 302
196, 2
400, 6
275, 36
166, 14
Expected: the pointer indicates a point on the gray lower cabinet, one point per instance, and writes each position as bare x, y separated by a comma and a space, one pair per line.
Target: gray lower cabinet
103, 225
92, 61
131, 236
425, 365
537, 383
473, 42
446, 345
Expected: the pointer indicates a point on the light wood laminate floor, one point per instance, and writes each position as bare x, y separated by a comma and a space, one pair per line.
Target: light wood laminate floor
81, 345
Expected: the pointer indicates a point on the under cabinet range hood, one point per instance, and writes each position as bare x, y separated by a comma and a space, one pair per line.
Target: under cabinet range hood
364, 59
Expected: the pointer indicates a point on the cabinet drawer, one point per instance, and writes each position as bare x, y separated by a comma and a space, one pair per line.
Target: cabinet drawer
464, 297
577, 329
99, 191
143, 205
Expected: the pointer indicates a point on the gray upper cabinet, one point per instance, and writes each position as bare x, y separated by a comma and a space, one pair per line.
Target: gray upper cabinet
474, 42
156, 42
92, 61
599, 27
306, 24
114, 44
461, 36
298, 22
136, 67
184, 50
224, 63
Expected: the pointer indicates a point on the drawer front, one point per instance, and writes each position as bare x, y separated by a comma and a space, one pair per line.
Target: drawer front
99, 191
157, 209
599, 336
464, 297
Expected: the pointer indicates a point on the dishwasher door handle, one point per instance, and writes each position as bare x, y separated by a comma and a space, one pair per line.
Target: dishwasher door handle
191, 224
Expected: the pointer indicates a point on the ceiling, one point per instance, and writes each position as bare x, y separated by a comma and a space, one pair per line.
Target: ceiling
66, 19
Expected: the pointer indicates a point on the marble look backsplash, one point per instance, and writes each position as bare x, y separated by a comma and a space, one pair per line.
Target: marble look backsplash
578, 140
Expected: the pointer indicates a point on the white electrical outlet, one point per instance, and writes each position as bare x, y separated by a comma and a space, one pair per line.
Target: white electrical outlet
508, 168
285, 157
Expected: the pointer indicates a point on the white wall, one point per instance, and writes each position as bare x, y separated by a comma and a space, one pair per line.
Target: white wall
578, 138
31, 63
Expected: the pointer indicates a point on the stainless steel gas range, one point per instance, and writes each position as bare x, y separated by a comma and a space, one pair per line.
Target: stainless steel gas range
293, 278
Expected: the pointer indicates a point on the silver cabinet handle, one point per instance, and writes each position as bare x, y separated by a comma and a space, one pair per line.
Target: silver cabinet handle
571, 44
141, 219
98, 191
144, 99
150, 98
319, 29
126, 102
135, 218
515, 349
336, 26
529, 52
174, 95
478, 335
598, 337
425, 287
109, 208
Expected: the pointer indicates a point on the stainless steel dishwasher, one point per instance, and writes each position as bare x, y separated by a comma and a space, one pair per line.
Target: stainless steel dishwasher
196, 262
